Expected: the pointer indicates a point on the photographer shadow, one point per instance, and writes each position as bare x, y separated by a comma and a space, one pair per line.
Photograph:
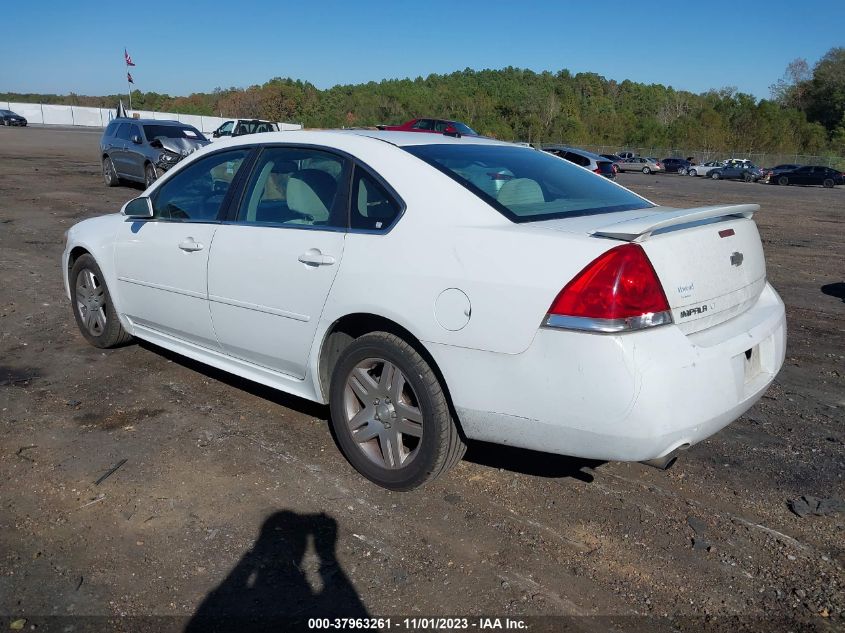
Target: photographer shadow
269, 589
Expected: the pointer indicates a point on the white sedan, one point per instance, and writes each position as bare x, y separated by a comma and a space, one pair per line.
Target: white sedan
705, 168
434, 289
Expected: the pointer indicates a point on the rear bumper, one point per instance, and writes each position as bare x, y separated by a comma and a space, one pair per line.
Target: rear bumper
626, 397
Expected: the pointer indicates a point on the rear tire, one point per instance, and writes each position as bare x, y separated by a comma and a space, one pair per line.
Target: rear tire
828, 183
681, 171
783, 180
109, 174
376, 379
92, 305
646, 170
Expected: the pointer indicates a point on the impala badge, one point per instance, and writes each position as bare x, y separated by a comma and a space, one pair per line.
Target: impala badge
736, 258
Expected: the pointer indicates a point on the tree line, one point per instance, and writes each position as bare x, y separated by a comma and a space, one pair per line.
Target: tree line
806, 114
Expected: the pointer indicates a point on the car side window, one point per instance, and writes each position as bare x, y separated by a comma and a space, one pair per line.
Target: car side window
424, 124
112, 128
296, 187
123, 132
373, 208
196, 193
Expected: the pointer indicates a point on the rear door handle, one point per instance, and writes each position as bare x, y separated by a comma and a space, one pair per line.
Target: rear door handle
313, 257
190, 245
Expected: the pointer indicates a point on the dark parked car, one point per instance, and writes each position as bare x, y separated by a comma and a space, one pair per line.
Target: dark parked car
140, 149
676, 165
810, 175
747, 171
593, 162
615, 159
7, 117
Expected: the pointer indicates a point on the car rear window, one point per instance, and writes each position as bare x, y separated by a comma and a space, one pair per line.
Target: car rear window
172, 131
527, 185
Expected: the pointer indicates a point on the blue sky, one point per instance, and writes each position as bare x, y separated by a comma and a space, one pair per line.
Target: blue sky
59, 47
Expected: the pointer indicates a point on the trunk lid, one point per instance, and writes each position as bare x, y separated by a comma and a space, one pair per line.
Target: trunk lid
709, 260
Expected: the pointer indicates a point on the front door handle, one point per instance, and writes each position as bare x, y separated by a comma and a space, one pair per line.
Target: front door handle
313, 257
190, 245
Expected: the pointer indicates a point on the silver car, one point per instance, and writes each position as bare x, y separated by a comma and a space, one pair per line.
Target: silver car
639, 163
705, 168
141, 149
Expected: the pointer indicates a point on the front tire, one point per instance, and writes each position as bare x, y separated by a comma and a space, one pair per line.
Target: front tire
92, 305
692, 172
149, 175
390, 414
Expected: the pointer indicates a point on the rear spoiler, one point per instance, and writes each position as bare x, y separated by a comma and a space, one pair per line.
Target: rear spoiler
638, 229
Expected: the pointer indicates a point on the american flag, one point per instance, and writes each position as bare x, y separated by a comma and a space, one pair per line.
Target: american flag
129, 78
128, 59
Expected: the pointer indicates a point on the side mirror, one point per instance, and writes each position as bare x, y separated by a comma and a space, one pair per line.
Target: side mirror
137, 140
216, 133
141, 207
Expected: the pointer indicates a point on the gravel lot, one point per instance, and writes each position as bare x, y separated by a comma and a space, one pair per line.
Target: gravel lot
234, 501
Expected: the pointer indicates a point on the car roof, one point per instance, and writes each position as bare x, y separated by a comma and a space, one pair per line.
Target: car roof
352, 138
152, 121
405, 139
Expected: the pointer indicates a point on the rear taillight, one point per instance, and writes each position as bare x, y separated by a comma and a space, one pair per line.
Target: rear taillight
617, 292
597, 170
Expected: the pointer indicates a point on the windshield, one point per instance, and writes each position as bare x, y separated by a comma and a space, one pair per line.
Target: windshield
527, 185
172, 131
463, 128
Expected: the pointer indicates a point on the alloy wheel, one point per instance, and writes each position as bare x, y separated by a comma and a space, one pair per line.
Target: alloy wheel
149, 175
108, 171
383, 413
91, 301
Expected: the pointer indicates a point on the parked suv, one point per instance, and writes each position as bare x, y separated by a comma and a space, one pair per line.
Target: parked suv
141, 149
239, 127
588, 160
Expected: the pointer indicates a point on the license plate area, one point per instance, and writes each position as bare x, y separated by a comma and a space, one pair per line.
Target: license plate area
751, 363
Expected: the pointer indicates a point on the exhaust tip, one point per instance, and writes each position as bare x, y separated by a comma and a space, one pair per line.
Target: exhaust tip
668, 460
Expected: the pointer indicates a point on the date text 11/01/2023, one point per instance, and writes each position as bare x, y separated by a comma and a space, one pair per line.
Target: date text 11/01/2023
417, 624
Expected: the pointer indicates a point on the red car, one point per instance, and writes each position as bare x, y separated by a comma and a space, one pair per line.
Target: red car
434, 126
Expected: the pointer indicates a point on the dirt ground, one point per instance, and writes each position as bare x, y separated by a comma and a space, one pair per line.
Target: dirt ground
232, 501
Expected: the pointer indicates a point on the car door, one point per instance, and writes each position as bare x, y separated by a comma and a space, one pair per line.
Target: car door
161, 263
817, 176
273, 264
224, 130
801, 177
134, 152
117, 152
